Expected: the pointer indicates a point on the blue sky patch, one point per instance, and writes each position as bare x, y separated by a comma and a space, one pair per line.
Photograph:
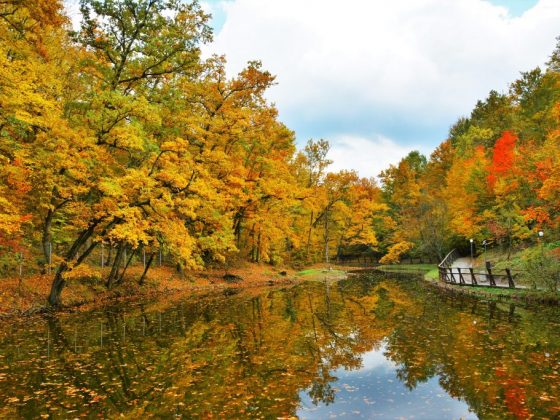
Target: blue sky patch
516, 8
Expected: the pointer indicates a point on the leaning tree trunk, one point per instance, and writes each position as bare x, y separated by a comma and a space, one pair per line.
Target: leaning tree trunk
115, 269
109, 256
57, 286
58, 282
121, 277
148, 264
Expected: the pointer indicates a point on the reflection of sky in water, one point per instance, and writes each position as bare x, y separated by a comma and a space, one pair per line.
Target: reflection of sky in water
375, 392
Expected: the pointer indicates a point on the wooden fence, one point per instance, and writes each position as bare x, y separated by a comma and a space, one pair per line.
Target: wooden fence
505, 278
449, 259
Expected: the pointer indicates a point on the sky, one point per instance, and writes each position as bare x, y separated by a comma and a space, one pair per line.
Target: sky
380, 78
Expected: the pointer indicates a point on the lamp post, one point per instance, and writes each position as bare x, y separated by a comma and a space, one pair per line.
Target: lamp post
484, 243
541, 234
472, 254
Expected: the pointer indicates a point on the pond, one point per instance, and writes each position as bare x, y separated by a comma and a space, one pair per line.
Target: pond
366, 347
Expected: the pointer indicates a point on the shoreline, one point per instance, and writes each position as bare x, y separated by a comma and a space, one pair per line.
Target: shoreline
26, 297
27, 300
528, 296
117, 296
511, 295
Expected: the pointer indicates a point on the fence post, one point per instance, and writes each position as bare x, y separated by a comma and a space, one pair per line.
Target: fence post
510, 279
473, 278
461, 278
490, 276
452, 276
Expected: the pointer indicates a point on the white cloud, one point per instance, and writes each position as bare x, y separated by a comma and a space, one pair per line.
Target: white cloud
393, 67
72, 9
424, 61
369, 156
408, 54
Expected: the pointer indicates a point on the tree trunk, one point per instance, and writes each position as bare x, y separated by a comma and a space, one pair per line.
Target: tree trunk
148, 264
258, 247
309, 235
58, 282
238, 220
46, 239
327, 236
121, 277
57, 286
115, 269
109, 256
339, 248
252, 236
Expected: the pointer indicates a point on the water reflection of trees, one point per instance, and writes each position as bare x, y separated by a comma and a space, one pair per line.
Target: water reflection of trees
252, 355
483, 354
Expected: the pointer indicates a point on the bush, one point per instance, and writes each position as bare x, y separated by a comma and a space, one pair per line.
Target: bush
542, 269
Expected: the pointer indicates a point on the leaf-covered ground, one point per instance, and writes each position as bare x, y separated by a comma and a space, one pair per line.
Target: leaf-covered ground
28, 294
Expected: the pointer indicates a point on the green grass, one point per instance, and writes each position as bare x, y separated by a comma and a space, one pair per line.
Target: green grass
408, 267
321, 274
432, 275
500, 261
309, 272
499, 293
499, 258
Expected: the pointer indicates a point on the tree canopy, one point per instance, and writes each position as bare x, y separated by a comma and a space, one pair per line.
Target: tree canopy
119, 139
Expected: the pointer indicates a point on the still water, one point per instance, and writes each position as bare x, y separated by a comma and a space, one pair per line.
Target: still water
366, 347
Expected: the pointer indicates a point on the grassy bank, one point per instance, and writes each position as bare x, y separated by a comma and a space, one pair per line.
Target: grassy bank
430, 271
512, 295
515, 260
321, 274
416, 268
498, 294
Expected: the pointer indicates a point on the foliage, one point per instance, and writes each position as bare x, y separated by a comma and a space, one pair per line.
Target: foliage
542, 269
395, 252
495, 178
120, 136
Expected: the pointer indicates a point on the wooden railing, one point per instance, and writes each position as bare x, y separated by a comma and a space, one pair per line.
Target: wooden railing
449, 259
488, 278
470, 277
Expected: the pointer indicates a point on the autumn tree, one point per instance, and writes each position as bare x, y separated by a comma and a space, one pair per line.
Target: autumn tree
402, 193
309, 168
137, 49
434, 217
42, 166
